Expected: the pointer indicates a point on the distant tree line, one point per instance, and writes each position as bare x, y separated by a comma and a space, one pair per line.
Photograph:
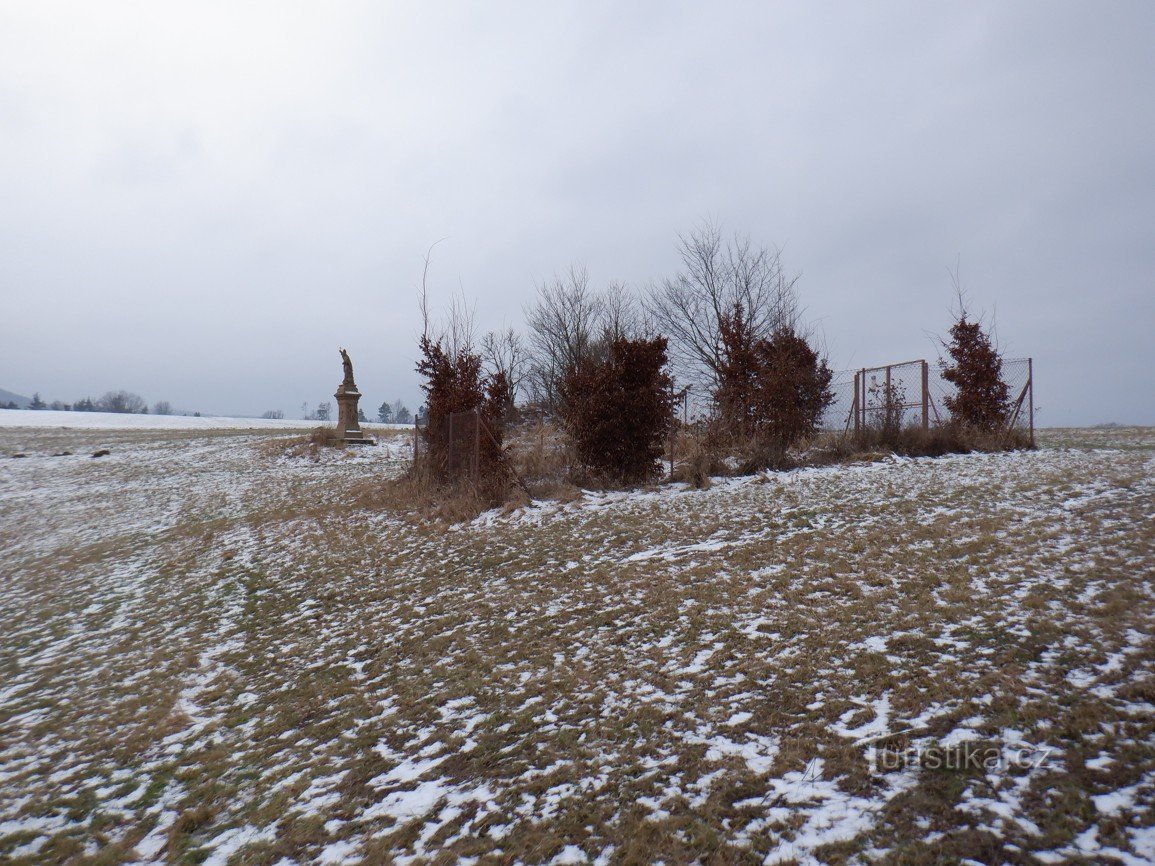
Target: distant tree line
126, 402
388, 413
394, 413
121, 402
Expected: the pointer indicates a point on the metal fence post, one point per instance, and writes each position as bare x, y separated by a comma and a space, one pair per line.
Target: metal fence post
889, 416
925, 396
862, 402
1031, 397
854, 407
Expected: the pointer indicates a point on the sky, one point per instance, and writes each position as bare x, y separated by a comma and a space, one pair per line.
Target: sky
203, 201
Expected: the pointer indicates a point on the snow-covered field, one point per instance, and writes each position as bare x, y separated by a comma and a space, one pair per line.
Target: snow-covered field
119, 421
212, 649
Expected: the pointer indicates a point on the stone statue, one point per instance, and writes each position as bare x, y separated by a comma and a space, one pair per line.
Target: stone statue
348, 365
347, 396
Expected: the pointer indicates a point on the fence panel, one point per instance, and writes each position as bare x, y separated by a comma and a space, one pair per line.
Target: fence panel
892, 397
839, 414
914, 393
457, 452
1018, 373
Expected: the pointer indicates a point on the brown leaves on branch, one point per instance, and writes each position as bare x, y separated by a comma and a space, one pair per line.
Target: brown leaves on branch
982, 399
618, 408
773, 388
455, 383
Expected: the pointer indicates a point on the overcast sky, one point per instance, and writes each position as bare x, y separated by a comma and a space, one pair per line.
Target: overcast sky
202, 201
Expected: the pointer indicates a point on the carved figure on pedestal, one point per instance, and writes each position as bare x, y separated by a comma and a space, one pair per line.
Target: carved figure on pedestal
347, 397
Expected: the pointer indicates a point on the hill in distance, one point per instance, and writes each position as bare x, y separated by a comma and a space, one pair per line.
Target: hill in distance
7, 397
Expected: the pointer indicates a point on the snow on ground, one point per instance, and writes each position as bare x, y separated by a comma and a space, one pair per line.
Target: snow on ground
122, 421
215, 648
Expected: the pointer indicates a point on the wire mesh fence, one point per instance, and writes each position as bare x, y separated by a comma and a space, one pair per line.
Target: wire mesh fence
839, 413
462, 446
452, 446
1016, 373
693, 404
914, 393
893, 396
889, 397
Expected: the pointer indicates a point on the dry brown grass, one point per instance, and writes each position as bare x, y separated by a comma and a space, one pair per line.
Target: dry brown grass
694, 460
913, 441
309, 641
308, 446
543, 459
701, 452
416, 495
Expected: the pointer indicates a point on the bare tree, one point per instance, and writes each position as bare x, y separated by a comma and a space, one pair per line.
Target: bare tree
505, 352
162, 407
621, 314
122, 401
717, 276
458, 331
563, 323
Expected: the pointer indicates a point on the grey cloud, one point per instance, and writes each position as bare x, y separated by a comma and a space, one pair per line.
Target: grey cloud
203, 202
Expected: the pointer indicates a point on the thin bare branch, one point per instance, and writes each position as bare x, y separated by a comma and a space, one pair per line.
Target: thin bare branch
718, 275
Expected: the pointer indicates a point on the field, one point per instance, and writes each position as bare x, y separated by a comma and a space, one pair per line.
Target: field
216, 649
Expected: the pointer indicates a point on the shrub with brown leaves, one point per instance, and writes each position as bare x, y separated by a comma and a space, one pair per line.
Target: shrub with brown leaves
618, 409
455, 386
772, 388
983, 399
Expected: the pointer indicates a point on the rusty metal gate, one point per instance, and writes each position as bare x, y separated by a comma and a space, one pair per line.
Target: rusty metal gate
914, 393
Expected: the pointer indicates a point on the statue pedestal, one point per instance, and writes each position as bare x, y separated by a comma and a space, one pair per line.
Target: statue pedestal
347, 425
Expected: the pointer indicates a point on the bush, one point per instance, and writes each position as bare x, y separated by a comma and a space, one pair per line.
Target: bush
455, 387
983, 399
772, 390
913, 441
618, 408
694, 460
